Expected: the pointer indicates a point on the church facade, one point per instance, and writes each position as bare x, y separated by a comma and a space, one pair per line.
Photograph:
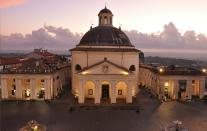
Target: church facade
105, 65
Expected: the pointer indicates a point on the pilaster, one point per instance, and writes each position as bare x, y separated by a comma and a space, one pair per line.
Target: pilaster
129, 92
47, 89
18, 83
97, 92
202, 88
32, 87
81, 97
189, 89
4, 88
113, 91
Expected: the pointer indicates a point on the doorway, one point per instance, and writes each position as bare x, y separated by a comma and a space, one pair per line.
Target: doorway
105, 91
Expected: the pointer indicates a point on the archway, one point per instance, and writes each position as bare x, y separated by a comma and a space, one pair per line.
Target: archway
89, 90
121, 91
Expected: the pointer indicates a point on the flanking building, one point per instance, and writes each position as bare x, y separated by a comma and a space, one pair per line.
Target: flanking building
105, 65
173, 82
39, 75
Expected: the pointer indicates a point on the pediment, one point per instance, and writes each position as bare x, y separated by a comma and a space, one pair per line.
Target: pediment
105, 68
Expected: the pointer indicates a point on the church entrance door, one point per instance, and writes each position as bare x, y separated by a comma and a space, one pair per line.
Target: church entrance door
105, 91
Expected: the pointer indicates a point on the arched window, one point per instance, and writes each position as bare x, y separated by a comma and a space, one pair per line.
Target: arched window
132, 68
105, 20
78, 67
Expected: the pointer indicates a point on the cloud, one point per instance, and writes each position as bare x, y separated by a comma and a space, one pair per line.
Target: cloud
58, 38
169, 38
46, 37
11, 3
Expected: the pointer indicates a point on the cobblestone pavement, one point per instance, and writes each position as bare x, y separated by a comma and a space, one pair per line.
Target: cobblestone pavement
153, 116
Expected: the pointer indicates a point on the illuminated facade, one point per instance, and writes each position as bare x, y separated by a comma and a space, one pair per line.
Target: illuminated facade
174, 82
105, 64
34, 78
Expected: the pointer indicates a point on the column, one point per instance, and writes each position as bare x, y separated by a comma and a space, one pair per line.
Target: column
32, 87
113, 91
161, 89
97, 92
52, 87
170, 89
189, 89
47, 89
18, 83
81, 97
175, 90
129, 92
4, 89
202, 88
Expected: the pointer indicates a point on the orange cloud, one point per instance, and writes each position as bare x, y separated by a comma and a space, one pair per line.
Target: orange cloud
10, 3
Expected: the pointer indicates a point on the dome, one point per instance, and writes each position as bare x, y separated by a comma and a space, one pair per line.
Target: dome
105, 10
105, 35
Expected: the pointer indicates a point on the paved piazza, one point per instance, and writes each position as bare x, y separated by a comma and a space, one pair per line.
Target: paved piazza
153, 116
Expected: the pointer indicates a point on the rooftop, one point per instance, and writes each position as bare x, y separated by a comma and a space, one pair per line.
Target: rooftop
173, 70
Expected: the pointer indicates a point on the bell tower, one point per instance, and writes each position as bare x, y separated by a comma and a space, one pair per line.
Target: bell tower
105, 17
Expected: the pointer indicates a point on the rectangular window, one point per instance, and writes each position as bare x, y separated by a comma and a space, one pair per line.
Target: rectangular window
119, 92
27, 80
42, 80
90, 91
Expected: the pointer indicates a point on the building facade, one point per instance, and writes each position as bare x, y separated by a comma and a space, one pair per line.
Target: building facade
173, 83
105, 65
34, 78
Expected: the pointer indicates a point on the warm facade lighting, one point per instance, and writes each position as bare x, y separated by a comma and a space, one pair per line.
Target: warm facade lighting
28, 93
204, 70
84, 73
166, 84
161, 70
125, 73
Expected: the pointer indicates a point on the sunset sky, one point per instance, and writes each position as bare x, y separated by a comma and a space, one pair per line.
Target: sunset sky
174, 28
146, 16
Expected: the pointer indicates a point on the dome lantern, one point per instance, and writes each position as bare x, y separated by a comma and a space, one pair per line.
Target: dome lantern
105, 34
105, 17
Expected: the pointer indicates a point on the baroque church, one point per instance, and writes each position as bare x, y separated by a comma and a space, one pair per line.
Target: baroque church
105, 64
